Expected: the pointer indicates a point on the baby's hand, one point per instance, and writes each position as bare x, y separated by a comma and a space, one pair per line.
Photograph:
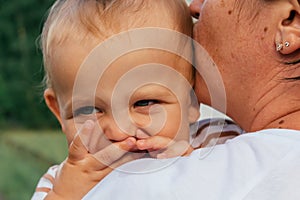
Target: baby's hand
164, 147
81, 171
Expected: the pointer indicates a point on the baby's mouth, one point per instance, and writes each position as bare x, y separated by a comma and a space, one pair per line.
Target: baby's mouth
145, 152
139, 151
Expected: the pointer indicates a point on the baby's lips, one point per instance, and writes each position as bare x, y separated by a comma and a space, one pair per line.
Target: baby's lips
132, 144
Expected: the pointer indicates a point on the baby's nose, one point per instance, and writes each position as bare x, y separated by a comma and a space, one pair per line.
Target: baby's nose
116, 130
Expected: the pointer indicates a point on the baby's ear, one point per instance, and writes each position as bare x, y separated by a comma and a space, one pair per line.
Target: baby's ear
194, 114
52, 103
287, 39
193, 109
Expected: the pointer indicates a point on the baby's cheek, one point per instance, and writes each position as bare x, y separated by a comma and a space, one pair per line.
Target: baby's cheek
170, 129
176, 127
141, 120
70, 130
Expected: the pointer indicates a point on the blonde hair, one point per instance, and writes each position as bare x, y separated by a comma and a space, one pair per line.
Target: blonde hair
70, 20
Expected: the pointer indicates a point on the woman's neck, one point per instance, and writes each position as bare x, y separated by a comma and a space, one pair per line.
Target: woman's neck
289, 121
269, 104
279, 109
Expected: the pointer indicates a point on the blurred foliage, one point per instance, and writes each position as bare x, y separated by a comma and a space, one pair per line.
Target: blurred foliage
25, 157
21, 68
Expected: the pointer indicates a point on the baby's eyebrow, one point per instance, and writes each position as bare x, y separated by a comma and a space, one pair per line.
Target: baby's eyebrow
150, 94
76, 102
85, 100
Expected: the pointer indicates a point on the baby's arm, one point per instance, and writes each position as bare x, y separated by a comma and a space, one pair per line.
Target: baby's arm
81, 171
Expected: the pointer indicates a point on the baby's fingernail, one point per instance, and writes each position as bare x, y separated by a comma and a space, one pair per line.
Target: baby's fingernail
89, 124
141, 143
129, 142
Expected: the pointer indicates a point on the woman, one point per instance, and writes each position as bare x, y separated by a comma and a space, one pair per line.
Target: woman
255, 45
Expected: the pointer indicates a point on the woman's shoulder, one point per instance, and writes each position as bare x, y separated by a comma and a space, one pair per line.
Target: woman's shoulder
283, 138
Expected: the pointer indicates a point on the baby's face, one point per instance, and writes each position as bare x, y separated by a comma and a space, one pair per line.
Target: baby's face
139, 91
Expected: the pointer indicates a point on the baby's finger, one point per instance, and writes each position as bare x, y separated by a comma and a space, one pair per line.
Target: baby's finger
154, 143
114, 152
77, 149
180, 148
126, 158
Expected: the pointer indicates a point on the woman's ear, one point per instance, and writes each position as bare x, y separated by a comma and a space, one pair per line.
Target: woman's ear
52, 103
287, 39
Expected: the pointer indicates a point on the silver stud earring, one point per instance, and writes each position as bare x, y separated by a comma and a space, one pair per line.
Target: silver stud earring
287, 44
279, 46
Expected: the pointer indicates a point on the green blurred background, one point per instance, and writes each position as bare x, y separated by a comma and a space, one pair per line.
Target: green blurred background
30, 139
21, 68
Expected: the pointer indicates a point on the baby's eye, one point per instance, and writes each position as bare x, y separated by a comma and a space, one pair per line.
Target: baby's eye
144, 103
87, 110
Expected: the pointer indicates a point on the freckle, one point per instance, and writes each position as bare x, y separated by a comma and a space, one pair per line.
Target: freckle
229, 12
279, 127
232, 55
265, 29
281, 122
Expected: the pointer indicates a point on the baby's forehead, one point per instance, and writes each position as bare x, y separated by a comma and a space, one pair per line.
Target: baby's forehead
74, 61
75, 56
71, 21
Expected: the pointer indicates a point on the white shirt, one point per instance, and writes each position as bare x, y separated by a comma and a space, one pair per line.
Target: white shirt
255, 166
205, 132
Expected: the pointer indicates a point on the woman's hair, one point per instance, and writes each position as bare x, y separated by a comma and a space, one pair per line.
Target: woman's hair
81, 20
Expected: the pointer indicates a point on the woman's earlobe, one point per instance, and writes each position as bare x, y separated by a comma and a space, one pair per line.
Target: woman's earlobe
287, 39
